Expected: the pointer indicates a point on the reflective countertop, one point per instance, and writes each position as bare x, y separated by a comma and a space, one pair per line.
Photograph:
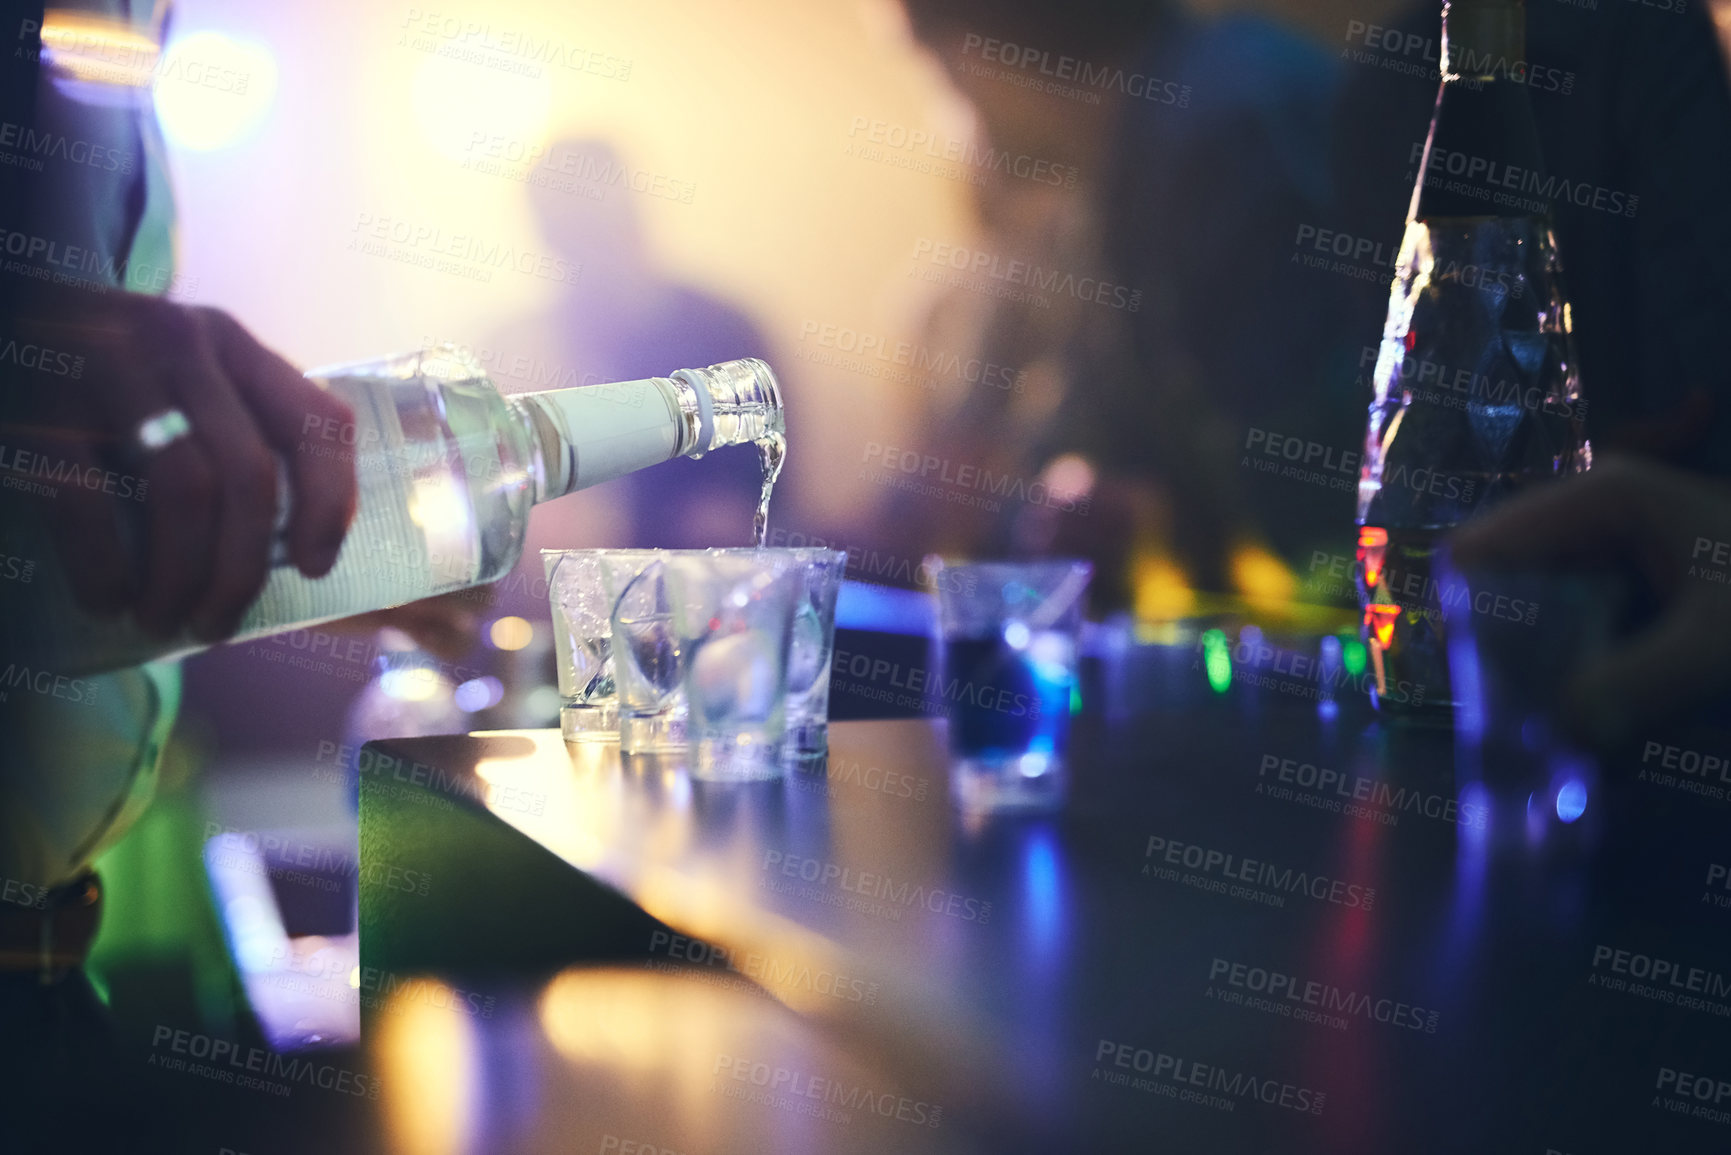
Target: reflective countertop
1265, 923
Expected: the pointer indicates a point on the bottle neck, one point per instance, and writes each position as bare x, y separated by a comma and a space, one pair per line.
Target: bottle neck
1483, 39
1482, 158
580, 437
740, 402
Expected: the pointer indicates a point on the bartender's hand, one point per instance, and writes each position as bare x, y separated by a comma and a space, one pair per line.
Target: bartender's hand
1674, 530
183, 415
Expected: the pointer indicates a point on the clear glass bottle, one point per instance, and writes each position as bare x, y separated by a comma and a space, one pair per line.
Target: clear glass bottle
448, 470
1477, 389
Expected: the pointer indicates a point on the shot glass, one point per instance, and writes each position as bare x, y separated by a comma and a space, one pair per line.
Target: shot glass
733, 614
811, 651
1007, 653
648, 655
583, 642
812, 648
1515, 641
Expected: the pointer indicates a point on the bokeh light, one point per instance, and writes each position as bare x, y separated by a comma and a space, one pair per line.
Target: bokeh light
212, 91
510, 633
464, 108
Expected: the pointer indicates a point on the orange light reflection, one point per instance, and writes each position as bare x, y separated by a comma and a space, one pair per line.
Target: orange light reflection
585, 803
1380, 619
94, 50
428, 1072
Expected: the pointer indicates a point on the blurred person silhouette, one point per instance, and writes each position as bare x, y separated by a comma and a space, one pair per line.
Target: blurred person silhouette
1186, 147
1194, 195
622, 319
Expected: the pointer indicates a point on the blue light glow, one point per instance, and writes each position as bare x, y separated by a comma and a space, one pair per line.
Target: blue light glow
1473, 796
1469, 696
860, 606
1043, 897
1572, 800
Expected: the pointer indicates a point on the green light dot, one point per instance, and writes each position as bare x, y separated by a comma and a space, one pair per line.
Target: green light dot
1352, 656
1217, 660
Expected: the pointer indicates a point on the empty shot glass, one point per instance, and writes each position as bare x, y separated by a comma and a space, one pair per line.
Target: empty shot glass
1007, 653
733, 614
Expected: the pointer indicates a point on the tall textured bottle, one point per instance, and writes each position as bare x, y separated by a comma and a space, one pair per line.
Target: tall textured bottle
1477, 390
448, 470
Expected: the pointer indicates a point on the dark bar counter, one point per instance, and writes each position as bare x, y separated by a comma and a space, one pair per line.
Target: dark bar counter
1266, 923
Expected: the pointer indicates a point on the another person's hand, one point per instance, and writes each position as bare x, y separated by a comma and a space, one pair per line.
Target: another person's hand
209, 483
1674, 531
